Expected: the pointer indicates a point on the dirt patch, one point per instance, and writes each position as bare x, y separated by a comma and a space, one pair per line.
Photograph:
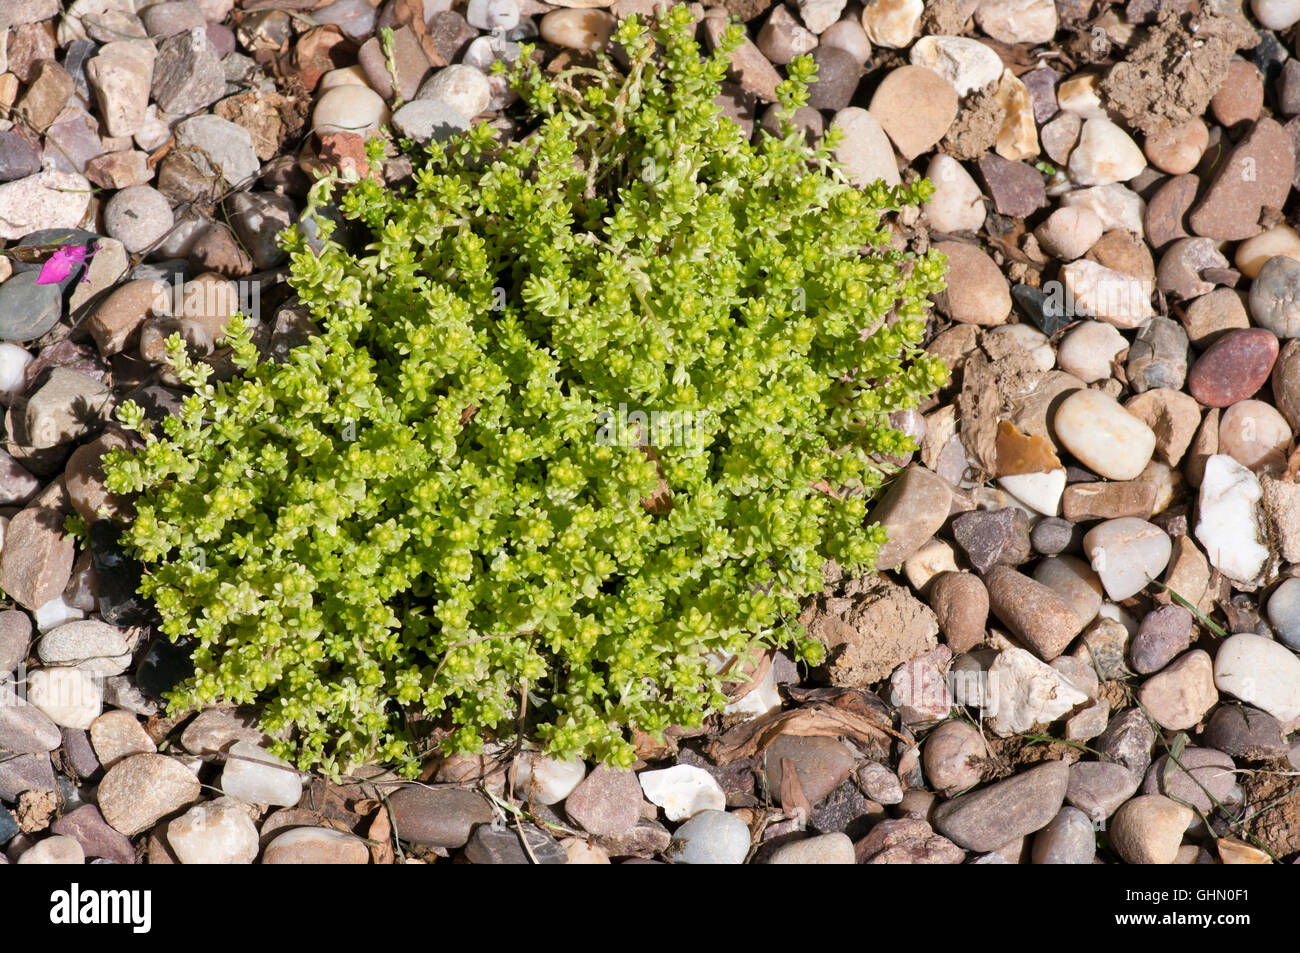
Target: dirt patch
1008, 756
976, 130
1277, 827
1173, 73
947, 17
870, 628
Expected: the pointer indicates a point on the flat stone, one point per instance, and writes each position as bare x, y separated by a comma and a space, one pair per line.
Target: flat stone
682, 791
985, 819
915, 107
821, 764
49, 199
907, 840
117, 735
88, 828
1098, 788
607, 801
912, 510
89, 644
1255, 176
1199, 777
438, 816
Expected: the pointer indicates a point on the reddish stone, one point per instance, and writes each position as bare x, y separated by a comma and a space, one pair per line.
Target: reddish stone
1233, 368
1166, 216
1017, 188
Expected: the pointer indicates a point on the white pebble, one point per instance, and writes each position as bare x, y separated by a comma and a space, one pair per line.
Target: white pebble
1088, 350
350, 108
957, 205
463, 88
69, 697
259, 777
1276, 14
1127, 553
966, 63
1104, 436
544, 780
682, 791
1260, 672
1039, 492
1228, 527
1023, 691
13, 371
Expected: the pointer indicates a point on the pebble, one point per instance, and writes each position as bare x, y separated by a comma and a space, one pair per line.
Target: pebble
1103, 436
258, 218
1254, 253
819, 15
214, 832
360, 109
986, 819
950, 757
1227, 524
1276, 14
1245, 732
1024, 692
316, 845
1234, 367
1104, 154
821, 764
1165, 219
1052, 535
1068, 233
493, 14
1275, 296
1060, 136
838, 74
49, 199
682, 791
88, 828
834, 848
607, 801
1148, 829
227, 148
1177, 150
892, 23
961, 604
462, 88
438, 816
120, 76
187, 74
848, 35
977, 293
1255, 176
1017, 21
1283, 612
1074, 581
1180, 694
911, 511
588, 30
915, 106
1164, 632
966, 63
425, 120
1098, 788
711, 837
59, 849
65, 407
116, 735
1127, 553
1241, 94
1035, 614
1016, 188
1286, 382
1068, 839
1199, 777
782, 37
1128, 741
90, 645
144, 788
864, 149
1158, 358
1117, 206
1260, 672
70, 697
1097, 291
879, 783
24, 728
993, 538
957, 205
540, 779
1090, 349
253, 774
1255, 435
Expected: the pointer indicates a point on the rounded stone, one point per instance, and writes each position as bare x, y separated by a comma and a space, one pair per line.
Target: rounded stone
70, 697
838, 73
1181, 693
1233, 368
1035, 614
1068, 233
1068, 839
1286, 382
1260, 672
138, 216
711, 837
316, 845
864, 150
1256, 435
1178, 149
1284, 612
578, 29
1103, 436
1253, 253
915, 106
463, 88
215, 832
957, 205
1090, 350
140, 790
950, 757
1148, 829
1275, 296
834, 848
977, 292
1104, 155
352, 108
1127, 553
961, 604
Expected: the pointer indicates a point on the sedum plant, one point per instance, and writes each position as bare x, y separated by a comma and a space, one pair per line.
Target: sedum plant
588, 413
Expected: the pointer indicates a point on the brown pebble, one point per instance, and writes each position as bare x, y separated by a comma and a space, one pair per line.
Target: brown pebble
1233, 368
1034, 613
1255, 178
1178, 149
1241, 95
977, 292
1211, 316
1286, 382
1165, 219
1105, 500
915, 106
961, 603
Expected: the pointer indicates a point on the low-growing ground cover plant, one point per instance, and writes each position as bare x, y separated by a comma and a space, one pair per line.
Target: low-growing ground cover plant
588, 412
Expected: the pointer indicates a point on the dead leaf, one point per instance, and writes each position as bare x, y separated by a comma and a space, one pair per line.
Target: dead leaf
411, 13
793, 799
751, 737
